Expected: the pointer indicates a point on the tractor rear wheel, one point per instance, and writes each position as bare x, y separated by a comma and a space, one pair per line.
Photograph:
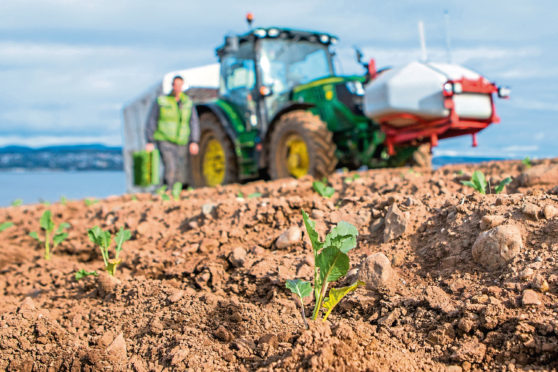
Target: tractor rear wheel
215, 163
301, 144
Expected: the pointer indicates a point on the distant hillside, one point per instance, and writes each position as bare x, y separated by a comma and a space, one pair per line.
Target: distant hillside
70, 157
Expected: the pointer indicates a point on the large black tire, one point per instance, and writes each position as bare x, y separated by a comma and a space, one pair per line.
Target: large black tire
421, 157
317, 138
212, 130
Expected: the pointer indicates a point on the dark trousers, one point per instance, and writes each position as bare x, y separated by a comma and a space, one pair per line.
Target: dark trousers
175, 162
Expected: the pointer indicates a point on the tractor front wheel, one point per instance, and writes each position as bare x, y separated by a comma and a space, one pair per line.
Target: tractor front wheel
301, 144
215, 164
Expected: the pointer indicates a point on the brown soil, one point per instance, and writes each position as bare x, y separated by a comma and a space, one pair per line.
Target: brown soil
183, 300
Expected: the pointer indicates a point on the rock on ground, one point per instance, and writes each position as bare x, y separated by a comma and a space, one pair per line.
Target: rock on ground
395, 223
289, 237
376, 271
494, 248
539, 175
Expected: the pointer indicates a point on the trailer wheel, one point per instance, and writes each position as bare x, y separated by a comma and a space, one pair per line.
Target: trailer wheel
215, 164
301, 144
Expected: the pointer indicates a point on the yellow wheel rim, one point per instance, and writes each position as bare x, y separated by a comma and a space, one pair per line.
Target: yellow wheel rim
214, 163
297, 156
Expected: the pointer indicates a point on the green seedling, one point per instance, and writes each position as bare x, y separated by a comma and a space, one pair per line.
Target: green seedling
51, 232
161, 191
17, 203
45, 202
63, 200
479, 183
254, 195
352, 178
240, 195
90, 202
301, 289
331, 263
500, 187
82, 273
104, 239
527, 162
134, 198
190, 188
323, 189
176, 190
6, 225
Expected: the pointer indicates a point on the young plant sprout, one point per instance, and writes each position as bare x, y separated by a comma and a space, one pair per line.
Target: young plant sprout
176, 190
90, 202
352, 178
161, 191
82, 273
104, 239
6, 225
527, 162
331, 263
17, 202
323, 189
57, 234
63, 200
478, 182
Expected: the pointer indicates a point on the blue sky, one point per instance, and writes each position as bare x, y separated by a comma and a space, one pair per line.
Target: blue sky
68, 66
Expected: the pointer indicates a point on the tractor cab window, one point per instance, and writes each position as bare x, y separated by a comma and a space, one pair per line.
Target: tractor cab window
238, 73
288, 63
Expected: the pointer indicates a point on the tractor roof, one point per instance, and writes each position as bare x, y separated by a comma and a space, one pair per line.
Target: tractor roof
279, 33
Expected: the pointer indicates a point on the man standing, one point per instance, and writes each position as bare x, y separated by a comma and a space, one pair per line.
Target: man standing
174, 126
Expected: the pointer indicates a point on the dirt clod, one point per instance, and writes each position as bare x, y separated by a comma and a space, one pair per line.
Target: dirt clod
494, 248
395, 223
530, 297
289, 237
376, 271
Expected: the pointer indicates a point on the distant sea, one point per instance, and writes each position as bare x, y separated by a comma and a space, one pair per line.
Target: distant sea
35, 186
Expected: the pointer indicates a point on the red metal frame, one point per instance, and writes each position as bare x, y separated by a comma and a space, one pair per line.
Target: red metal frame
429, 131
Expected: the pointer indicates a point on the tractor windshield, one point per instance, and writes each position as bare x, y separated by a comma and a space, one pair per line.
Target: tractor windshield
287, 63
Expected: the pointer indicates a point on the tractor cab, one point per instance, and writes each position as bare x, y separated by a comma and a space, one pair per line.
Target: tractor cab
260, 69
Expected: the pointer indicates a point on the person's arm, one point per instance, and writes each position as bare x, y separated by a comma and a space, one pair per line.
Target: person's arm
194, 126
151, 125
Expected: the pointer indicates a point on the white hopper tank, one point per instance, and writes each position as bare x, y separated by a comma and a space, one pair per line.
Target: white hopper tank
415, 89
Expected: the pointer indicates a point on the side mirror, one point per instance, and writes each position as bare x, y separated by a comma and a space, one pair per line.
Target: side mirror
231, 43
359, 55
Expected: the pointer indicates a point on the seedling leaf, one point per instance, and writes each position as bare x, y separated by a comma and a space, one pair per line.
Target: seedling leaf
6, 225
342, 236
112, 264
46, 221
299, 287
35, 236
82, 273
90, 202
62, 227
121, 237
336, 294
527, 162
312, 233
59, 238
254, 195
323, 189
17, 202
176, 189
99, 237
478, 182
498, 189
333, 264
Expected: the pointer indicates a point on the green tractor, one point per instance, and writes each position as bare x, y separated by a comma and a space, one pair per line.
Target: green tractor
283, 112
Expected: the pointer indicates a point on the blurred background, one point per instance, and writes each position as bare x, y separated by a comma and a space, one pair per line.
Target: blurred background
68, 67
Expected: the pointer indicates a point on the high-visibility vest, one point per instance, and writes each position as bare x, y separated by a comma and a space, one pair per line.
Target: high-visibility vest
174, 123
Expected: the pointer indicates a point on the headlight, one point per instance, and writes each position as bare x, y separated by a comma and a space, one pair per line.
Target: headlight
273, 32
457, 88
355, 87
260, 32
504, 92
324, 39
